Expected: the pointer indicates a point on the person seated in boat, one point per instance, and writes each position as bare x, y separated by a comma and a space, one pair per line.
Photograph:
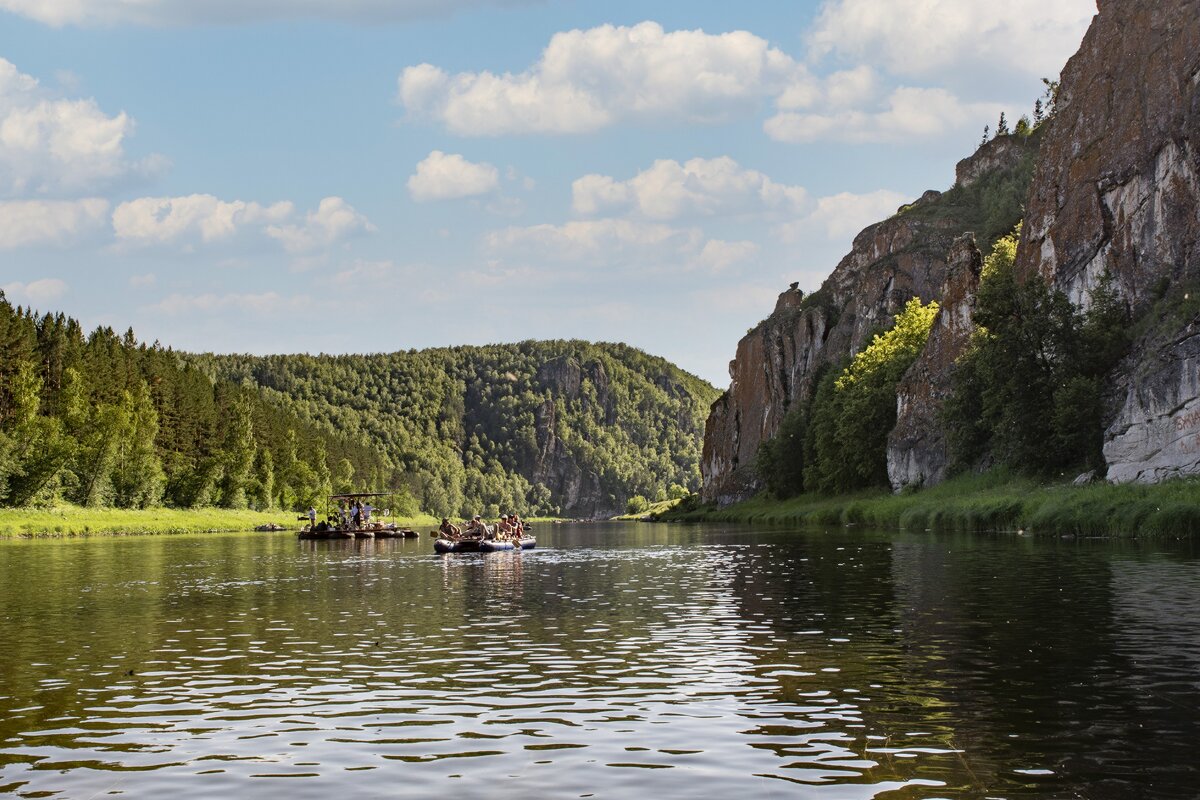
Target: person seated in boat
449, 530
476, 527
366, 513
343, 515
502, 529
517, 526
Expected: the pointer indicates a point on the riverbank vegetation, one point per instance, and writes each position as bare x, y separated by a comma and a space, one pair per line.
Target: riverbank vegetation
70, 520
1000, 500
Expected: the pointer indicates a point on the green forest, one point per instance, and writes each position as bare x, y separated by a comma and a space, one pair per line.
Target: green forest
555, 428
103, 420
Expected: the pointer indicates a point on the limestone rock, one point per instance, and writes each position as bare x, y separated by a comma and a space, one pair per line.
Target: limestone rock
778, 363
1117, 190
917, 451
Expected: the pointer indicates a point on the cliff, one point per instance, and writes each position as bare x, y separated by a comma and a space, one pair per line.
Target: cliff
1117, 190
917, 451
779, 362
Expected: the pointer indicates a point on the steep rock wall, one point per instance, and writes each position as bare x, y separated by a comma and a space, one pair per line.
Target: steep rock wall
1117, 190
917, 450
778, 362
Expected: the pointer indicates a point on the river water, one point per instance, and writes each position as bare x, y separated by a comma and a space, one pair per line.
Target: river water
615, 661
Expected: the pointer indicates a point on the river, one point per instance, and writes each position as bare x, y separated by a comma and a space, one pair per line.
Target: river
615, 661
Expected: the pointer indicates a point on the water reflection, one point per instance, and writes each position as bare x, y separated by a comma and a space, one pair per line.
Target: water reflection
620, 659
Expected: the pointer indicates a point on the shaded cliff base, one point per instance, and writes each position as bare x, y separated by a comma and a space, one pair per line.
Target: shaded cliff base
993, 502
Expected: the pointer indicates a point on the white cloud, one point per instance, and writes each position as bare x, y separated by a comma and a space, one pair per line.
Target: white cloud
588, 79
442, 176
842, 89
50, 145
939, 37
718, 255
34, 222
908, 114
39, 291
204, 219
333, 221
209, 12
251, 303
699, 187
197, 217
842, 215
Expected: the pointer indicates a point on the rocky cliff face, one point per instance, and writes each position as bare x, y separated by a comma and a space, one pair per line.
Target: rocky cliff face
1117, 190
917, 450
779, 362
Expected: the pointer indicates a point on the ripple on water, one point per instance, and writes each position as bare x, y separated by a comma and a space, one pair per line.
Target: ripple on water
643, 661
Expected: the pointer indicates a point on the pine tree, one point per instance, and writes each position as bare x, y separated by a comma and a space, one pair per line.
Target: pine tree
237, 455
138, 478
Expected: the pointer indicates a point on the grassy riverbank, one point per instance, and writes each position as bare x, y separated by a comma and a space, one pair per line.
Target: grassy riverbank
993, 502
77, 521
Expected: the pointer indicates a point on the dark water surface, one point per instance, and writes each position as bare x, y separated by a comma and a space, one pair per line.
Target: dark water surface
616, 661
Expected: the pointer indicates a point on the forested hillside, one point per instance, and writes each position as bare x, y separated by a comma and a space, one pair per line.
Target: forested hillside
561, 427
103, 420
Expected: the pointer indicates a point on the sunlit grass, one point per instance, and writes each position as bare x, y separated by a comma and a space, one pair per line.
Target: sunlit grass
997, 501
76, 521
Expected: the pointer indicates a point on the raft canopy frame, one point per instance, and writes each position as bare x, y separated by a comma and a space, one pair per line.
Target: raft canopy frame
332, 500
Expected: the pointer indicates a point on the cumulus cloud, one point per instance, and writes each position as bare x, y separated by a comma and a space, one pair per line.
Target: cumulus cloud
50, 145
699, 187
933, 37
908, 113
40, 291
588, 79
442, 176
209, 12
35, 222
333, 221
196, 217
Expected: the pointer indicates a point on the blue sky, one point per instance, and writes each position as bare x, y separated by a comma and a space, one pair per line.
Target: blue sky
375, 175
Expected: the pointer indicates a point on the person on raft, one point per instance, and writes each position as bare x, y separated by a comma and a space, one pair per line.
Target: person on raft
477, 527
449, 529
312, 518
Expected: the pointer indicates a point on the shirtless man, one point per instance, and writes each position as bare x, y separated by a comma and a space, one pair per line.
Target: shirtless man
448, 529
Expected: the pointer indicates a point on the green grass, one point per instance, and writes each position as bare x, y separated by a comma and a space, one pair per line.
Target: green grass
655, 511
77, 521
996, 501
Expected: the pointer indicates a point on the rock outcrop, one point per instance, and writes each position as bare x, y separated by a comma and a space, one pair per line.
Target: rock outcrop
1117, 191
917, 453
779, 362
